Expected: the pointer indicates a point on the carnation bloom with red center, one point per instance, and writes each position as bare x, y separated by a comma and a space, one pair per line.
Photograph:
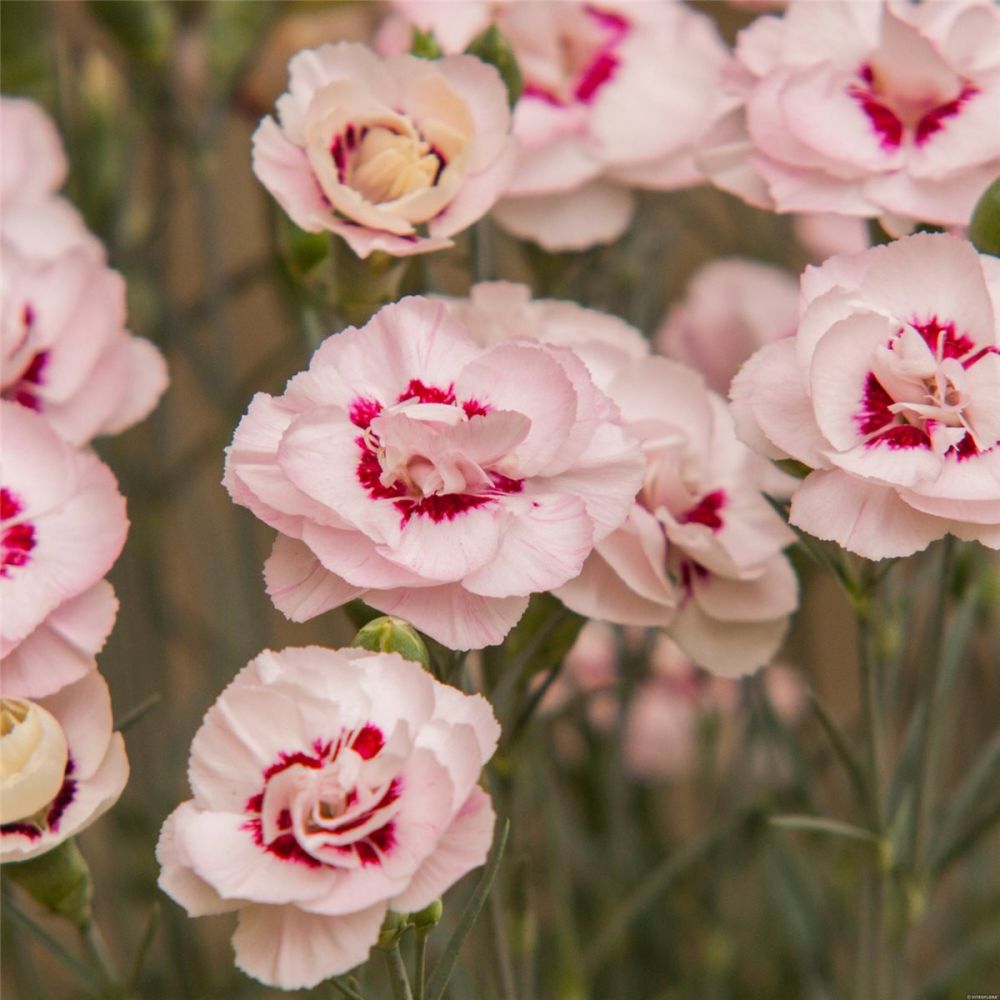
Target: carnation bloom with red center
701, 552
62, 765
867, 109
329, 787
615, 95
65, 350
372, 149
891, 392
439, 480
62, 526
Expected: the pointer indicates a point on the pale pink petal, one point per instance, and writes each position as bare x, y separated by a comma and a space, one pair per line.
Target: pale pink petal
462, 847
451, 614
598, 212
773, 594
544, 546
147, 381
177, 879
729, 649
864, 518
772, 410
298, 584
286, 947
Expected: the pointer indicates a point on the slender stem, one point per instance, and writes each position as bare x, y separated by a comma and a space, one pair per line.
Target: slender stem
501, 946
397, 974
932, 680
100, 958
420, 968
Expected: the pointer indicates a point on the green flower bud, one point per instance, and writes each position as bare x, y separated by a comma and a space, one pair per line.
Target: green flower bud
393, 635
393, 928
491, 47
424, 45
984, 229
59, 880
428, 917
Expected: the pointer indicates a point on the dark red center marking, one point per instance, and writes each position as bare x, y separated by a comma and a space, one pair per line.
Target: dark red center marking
368, 742
706, 511
16, 540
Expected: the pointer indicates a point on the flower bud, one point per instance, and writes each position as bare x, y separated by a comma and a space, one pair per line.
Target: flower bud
33, 756
491, 47
428, 917
392, 929
424, 45
984, 228
393, 635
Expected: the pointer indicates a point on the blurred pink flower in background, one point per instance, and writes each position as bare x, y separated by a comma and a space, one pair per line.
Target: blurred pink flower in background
329, 787
866, 109
668, 708
616, 95
730, 308
65, 350
63, 766
438, 480
34, 220
62, 526
701, 552
371, 148
891, 392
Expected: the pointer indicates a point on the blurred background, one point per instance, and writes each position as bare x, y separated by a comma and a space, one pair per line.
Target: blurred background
156, 102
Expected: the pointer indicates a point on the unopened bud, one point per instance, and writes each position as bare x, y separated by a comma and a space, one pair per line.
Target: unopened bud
59, 880
393, 635
392, 929
984, 228
424, 45
428, 917
491, 47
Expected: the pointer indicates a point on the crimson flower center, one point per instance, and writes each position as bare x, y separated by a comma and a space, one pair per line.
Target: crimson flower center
17, 536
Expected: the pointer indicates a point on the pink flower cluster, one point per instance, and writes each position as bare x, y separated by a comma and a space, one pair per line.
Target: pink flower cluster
616, 95
70, 372
866, 109
329, 787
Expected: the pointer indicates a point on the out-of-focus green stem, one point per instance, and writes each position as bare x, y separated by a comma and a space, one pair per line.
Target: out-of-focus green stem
100, 958
397, 973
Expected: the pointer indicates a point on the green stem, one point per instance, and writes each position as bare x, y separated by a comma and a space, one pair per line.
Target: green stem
420, 968
397, 974
100, 958
932, 683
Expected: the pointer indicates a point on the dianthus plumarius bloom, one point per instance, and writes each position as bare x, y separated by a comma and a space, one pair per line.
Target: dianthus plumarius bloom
615, 95
62, 765
376, 150
329, 787
890, 392
62, 526
869, 109
436, 478
700, 552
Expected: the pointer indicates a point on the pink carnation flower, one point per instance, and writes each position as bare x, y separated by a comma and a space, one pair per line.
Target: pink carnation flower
62, 526
63, 766
701, 552
731, 308
329, 787
34, 220
615, 95
867, 109
891, 392
438, 480
65, 350
372, 149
